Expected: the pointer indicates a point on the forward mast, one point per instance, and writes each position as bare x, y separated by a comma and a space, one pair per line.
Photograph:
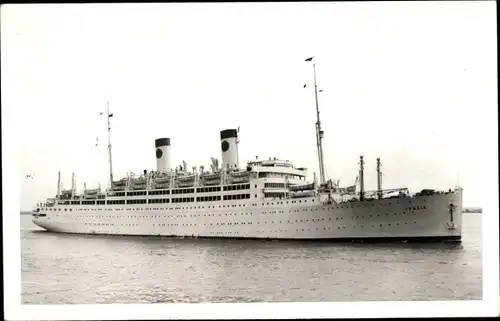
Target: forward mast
319, 131
108, 115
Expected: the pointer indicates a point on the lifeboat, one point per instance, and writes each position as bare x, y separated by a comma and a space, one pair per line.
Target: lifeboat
302, 187
184, 178
242, 179
212, 182
139, 181
185, 184
161, 186
90, 196
163, 179
66, 192
210, 176
118, 188
302, 194
120, 182
91, 191
239, 173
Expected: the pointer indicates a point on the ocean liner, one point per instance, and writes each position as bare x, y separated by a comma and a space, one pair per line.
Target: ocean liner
266, 199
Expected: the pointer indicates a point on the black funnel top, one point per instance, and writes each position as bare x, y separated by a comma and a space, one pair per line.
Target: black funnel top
228, 133
162, 142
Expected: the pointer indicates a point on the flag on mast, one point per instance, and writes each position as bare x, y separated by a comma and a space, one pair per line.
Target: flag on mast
310, 59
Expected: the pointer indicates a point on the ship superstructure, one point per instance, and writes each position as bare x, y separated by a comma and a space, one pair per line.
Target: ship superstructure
267, 198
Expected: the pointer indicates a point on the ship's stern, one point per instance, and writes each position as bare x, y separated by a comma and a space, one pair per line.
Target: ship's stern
39, 218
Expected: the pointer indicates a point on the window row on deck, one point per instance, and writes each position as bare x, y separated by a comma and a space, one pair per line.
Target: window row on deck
236, 197
274, 185
208, 198
236, 187
275, 195
184, 190
161, 200
208, 189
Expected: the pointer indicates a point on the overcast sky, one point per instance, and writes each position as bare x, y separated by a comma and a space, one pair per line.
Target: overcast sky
412, 83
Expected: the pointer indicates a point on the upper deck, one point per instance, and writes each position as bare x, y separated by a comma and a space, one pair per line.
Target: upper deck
262, 179
274, 167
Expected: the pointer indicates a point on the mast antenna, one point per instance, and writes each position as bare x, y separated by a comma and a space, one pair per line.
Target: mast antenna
109, 146
319, 131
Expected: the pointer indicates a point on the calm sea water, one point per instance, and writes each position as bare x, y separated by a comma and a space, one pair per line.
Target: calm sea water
67, 269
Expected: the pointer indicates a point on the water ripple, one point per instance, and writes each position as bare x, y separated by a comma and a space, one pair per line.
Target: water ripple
69, 269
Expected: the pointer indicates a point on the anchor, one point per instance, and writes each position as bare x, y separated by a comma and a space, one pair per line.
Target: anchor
451, 224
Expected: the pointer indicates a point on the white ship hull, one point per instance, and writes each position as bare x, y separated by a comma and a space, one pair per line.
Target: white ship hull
269, 199
307, 218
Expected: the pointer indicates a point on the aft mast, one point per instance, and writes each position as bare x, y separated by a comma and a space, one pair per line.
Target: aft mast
109, 147
319, 131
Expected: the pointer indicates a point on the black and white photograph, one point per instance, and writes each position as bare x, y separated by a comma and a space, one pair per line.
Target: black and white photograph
250, 160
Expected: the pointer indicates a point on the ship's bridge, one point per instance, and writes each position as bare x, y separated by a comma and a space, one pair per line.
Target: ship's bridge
274, 167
